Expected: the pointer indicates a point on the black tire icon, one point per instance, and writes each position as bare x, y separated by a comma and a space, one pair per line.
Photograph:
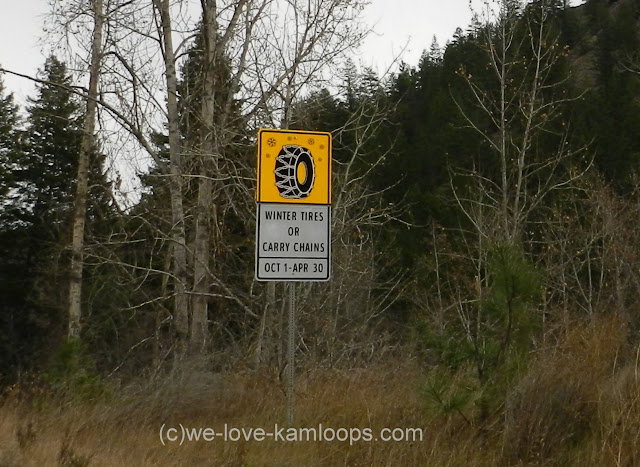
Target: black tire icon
287, 163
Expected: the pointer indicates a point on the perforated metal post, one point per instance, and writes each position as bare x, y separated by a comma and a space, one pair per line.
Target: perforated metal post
292, 351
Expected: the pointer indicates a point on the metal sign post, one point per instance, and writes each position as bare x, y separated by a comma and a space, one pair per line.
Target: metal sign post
291, 351
293, 217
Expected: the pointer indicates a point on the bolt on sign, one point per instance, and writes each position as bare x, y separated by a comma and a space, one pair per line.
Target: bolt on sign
293, 232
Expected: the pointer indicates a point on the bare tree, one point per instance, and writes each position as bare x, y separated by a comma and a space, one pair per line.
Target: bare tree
590, 258
513, 100
241, 33
88, 145
179, 249
521, 102
272, 53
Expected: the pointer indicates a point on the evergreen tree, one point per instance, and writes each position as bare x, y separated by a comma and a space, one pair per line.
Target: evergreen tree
36, 223
12, 272
618, 112
52, 143
8, 145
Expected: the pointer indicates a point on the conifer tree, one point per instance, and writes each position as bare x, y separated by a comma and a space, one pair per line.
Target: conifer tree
37, 215
8, 142
8, 145
52, 143
11, 271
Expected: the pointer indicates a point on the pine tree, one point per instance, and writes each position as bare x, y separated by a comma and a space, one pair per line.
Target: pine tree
43, 174
12, 272
8, 144
52, 144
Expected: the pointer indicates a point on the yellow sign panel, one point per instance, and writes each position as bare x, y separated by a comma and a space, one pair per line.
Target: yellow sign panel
294, 167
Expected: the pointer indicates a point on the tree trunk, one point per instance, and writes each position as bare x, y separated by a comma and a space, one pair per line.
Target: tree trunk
82, 182
201, 282
181, 301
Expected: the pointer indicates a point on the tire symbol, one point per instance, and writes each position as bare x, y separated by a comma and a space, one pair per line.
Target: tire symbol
287, 165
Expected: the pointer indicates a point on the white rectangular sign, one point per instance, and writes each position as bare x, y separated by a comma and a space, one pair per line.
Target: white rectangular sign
293, 242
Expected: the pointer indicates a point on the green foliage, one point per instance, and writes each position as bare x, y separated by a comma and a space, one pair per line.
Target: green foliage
8, 145
514, 290
488, 316
492, 337
43, 171
35, 220
47, 170
507, 318
13, 272
618, 114
72, 372
450, 393
503, 320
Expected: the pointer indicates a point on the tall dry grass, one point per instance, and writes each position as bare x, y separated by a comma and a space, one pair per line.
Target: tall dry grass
124, 429
579, 404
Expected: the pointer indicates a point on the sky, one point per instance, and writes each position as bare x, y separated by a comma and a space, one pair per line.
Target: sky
21, 24
402, 29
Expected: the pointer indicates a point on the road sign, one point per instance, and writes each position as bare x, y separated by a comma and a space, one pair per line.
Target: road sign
293, 222
293, 228
294, 167
293, 242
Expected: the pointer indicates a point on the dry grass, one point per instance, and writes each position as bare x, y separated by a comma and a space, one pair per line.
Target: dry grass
579, 404
125, 430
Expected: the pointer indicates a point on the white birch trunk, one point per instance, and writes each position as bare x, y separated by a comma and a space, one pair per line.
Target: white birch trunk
180, 278
82, 182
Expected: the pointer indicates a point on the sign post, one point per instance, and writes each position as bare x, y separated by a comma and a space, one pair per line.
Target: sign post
293, 217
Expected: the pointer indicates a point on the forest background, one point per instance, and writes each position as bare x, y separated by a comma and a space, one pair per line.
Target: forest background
485, 264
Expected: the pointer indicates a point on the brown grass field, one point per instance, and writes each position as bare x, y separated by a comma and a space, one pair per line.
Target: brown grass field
578, 404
